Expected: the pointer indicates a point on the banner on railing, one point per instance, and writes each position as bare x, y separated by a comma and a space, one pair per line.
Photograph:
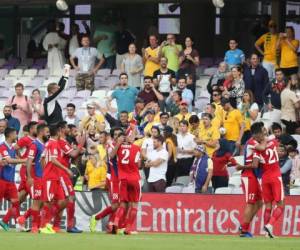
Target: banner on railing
186, 213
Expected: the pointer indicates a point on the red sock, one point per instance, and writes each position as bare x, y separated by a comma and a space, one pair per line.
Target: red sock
111, 217
267, 215
45, 216
70, 214
276, 215
131, 218
35, 218
28, 213
104, 213
245, 227
57, 221
13, 212
55, 209
118, 215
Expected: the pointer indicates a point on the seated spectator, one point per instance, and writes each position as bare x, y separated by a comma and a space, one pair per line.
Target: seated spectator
173, 102
295, 171
194, 125
12, 122
164, 78
283, 138
201, 170
155, 106
249, 110
234, 56
95, 173
273, 90
3, 126
185, 149
171, 51
133, 66
216, 81
256, 79
70, 117
163, 121
171, 145
125, 95
290, 102
233, 123
150, 93
151, 56
208, 135
92, 119
183, 113
288, 46
236, 91
37, 106
221, 158
157, 162
285, 167
187, 94
21, 105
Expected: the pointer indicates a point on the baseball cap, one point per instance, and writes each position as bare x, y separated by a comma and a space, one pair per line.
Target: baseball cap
200, 148
183, 102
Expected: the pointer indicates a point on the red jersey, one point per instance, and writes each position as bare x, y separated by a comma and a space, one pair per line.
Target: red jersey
249, 153
128, 156
25, 143
269, 159
52, 150
64, 158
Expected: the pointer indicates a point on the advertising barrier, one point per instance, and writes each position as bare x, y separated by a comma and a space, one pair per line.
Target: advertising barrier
186, 213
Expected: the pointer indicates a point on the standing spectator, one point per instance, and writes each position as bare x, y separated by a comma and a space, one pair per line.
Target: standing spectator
216, 98
268, 41
256, 79
189, 61
122, 122
151, 56
92, 119
236, 91
86, 69
171, 144
185, 149
76, 36
54, 45
216, 81
186, 94
171, 51
21, 105
234, 56
147, 145
295, 171
71, 117
289, 103
289, 49
37, 106
273, 90
157, 162
150, 93
201, 170
233, 123
164, 78
132, 65
125, 95
173, 102
12, 122
3, 126
208, 135
249, 110
53, 111
123, 39
285, 167
221, 158
215, 121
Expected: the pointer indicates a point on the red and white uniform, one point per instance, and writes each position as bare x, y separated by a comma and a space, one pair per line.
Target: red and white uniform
128, 171
24, 143
250, 184
65, 159
112, 175
52, 189
272, 187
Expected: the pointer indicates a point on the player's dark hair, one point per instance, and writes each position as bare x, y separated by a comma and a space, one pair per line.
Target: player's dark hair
114, 129
70, 126
8, 131
160, 138
40, 128
256, 128
25, 128
275, 126
62, 124
31, 125
53, 130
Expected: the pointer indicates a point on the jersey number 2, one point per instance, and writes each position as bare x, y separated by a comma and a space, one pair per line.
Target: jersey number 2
273, 156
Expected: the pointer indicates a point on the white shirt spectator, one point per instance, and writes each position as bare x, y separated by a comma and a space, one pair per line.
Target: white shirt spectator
159, 172
185, 142
86, 58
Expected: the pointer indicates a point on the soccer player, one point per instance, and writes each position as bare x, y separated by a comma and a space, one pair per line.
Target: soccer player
250, 183
68, 152
129, 161
52, 189
112, 183
34, 167
272, 187
8, 189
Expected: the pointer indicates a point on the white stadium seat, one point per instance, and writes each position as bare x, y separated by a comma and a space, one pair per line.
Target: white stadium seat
43, 72
235, 181
83, 93
103, 72
16, 72
210, 71
237, 191
174, 189
99, 94
3, 73
295, 191
184, 180
297, 183
223, 190
30, 72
